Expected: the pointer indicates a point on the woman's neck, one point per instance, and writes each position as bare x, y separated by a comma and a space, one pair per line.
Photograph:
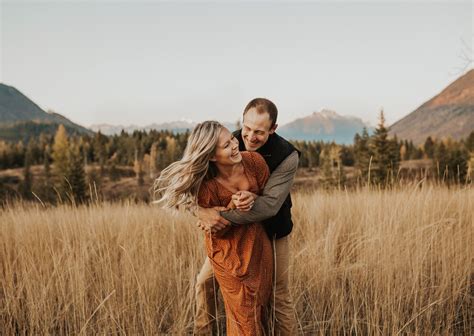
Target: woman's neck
226, 172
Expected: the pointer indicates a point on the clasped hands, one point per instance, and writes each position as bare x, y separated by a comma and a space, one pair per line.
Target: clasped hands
210, 219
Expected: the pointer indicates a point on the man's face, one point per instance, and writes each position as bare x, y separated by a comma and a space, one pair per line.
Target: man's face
256, 129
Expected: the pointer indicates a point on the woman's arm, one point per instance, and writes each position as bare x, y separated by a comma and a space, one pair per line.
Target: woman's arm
274, 194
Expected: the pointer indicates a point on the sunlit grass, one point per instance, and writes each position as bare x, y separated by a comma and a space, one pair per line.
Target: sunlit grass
363, 262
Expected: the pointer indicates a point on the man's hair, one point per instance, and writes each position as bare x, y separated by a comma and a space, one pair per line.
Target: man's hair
263, 105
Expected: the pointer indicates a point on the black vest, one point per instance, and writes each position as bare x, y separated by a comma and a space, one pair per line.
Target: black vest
274, 151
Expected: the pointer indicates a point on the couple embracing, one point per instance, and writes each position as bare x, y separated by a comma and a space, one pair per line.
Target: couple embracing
238, 185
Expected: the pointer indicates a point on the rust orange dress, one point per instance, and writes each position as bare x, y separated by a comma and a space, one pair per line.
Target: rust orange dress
242, 257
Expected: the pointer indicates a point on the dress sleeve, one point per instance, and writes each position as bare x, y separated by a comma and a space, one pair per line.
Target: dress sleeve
262, 172
274, 194
204, 195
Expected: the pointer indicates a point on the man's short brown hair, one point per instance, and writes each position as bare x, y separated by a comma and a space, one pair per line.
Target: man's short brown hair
263, 105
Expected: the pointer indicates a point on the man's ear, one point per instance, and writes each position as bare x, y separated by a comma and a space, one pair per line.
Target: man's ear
273, 129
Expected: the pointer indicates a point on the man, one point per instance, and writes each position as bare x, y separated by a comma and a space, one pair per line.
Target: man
272, 208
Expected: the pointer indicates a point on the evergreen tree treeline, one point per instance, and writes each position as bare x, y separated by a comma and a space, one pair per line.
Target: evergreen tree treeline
376, 158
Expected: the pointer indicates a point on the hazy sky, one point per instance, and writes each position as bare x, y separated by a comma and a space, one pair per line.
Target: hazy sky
155, 61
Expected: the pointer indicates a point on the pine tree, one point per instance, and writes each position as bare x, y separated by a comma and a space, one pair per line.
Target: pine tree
18, 154
3, 155
347, 156
429, 147
171, 149
47, 166
458, 163
403, 151
470, 142
138, 169
94, 178
61, 152
381, 149
26, 184
440, 160
153, 160
393, 157
362, 153
308, 155
114, 173
327, 168
100, 151
341, 175
76, 177
46, 192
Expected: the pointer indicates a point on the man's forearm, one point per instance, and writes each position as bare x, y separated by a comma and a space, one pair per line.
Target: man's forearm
274, 194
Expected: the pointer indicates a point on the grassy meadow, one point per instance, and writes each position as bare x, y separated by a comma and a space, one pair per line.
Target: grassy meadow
364, 262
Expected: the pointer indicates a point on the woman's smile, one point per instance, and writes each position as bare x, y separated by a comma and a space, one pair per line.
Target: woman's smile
236, 155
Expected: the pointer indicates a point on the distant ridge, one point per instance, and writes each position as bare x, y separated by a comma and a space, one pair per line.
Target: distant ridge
325, 125
448, 114
174, 126
19, 113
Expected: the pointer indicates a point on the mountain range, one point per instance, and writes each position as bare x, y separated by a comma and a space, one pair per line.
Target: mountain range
174, 126
16, 108
448, 114
325, 125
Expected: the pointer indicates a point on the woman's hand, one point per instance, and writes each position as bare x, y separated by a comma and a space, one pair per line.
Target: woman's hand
243, 200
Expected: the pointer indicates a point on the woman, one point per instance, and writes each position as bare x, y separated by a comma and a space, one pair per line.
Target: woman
211, 171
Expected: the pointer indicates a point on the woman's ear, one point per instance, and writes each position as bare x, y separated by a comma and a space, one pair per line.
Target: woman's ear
213, 158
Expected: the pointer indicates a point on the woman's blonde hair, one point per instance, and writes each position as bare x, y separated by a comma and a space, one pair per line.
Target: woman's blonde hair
179, 183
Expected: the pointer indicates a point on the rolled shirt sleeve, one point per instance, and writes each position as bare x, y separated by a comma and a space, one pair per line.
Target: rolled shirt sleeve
274, 194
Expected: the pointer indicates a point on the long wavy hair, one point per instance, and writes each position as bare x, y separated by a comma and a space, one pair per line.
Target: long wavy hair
179, 183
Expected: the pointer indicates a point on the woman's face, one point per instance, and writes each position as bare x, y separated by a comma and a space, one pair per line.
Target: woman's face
227, 150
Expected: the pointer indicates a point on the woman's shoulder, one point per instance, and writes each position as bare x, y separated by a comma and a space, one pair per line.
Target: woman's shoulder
253, 158
254, 163
245, 156
206, 186
205, 193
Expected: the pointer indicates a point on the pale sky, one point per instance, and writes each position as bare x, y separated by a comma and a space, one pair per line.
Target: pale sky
142, 62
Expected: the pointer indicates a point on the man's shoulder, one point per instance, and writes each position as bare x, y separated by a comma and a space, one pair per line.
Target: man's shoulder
282, 142
279, 139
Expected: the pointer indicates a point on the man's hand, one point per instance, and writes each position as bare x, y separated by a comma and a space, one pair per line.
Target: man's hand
202, 226
210, 219
244, 200
217, 234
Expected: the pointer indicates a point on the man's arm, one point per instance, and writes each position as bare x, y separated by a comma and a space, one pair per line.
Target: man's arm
274, 194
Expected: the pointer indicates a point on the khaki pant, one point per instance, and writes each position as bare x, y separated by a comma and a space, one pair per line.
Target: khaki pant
282, 311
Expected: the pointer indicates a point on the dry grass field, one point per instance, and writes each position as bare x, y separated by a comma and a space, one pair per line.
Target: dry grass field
364, 262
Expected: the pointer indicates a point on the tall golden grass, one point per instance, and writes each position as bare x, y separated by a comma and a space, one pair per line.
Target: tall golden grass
365, 262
